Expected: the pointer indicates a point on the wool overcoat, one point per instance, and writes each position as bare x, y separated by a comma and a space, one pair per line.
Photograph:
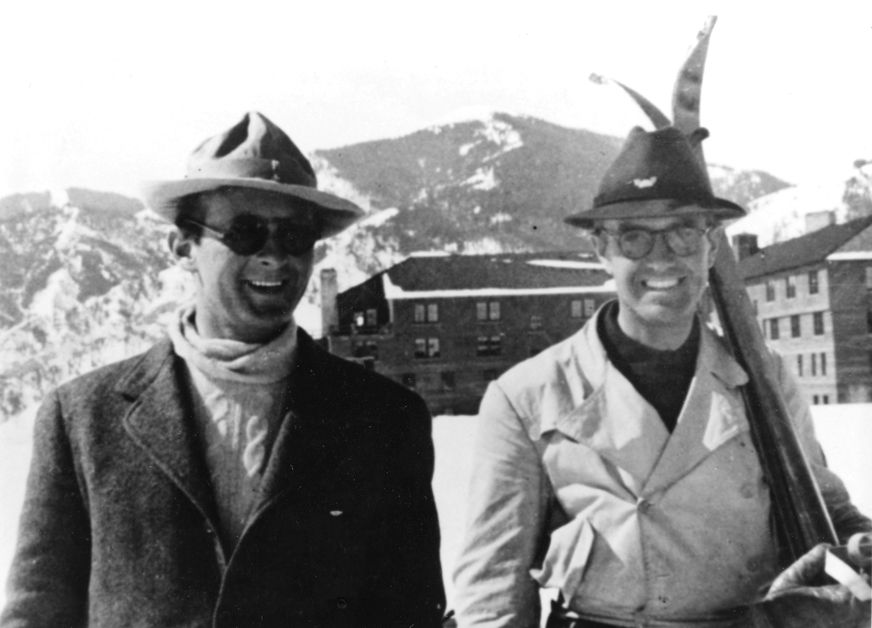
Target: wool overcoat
119, 523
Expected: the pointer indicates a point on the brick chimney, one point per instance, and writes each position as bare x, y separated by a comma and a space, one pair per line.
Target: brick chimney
329, 290
819, 220
745, 245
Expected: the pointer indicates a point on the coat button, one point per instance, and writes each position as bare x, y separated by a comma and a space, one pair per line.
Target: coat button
341, 603
643, 505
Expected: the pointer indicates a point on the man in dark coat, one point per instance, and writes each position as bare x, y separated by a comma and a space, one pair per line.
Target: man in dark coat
235, 474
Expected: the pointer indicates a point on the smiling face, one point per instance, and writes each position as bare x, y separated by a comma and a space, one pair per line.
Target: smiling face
250, 298
659, 293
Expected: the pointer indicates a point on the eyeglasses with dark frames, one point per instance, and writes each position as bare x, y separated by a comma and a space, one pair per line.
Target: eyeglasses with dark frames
636, 243
248, 234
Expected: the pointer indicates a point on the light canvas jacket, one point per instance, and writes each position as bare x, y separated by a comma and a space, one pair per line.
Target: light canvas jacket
648, 528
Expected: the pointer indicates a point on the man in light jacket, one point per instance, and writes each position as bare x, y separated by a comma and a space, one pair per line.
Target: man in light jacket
616, 468
235, 475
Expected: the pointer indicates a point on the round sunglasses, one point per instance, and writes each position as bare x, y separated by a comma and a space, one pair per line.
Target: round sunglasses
248, 234
636, 243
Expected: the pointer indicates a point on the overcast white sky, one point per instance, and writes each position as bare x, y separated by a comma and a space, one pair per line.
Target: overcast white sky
107, 94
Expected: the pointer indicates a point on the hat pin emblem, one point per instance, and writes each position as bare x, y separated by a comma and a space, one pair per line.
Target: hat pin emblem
645, 183
275, 170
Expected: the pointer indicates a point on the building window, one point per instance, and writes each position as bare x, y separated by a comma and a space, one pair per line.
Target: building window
371, 317
869, 277
794, 326
409, 380
420, 313
818, 323
481, 311
754, 305
823, 363
773, 328
535, 321
420, 347
447, 381
487, 311
770, 291
366, 349
589, 307
426, 347
790, 286
812, 282
575, 308
359, 319
825, 399
814, 363
488, 346
814, 399
799, 365
426, 313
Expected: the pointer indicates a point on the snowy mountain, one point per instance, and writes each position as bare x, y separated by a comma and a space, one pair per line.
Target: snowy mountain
87, 277
500, 180
793, 211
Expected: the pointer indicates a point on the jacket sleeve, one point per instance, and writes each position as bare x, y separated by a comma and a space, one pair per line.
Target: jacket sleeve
48, 579
847, 519
406, 587
505, 520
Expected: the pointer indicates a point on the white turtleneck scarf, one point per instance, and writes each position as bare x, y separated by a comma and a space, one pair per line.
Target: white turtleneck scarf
238, 391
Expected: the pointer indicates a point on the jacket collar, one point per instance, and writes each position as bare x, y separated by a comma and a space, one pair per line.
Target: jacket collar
159, 421
616, 421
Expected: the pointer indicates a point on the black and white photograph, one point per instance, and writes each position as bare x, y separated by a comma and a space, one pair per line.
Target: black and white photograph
466, 314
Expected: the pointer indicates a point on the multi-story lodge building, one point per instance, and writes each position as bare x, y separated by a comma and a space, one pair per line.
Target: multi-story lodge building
446, 325
813, 298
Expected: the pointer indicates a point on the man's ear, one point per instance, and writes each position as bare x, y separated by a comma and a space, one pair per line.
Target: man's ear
714, 238
182, 247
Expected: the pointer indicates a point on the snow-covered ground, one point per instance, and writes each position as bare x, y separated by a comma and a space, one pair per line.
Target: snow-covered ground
845, 431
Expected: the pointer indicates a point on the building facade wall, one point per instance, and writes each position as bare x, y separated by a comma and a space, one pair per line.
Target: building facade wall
797, 303
831, 354
851, 298
450, 360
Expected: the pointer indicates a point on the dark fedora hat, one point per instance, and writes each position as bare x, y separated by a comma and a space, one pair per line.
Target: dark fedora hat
257, 154
656, 174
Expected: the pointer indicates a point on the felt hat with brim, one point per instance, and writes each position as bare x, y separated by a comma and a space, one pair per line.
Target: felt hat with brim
656, 174
255, 154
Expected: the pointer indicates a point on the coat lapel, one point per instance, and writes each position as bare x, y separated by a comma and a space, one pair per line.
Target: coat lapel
309, 438
612, 419
617, 423
709, 417
621, 426
160, 423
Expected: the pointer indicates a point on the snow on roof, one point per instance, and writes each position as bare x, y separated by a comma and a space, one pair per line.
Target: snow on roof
441, 275
812, 248
429, 254
562, 263
395, 293
850, 256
